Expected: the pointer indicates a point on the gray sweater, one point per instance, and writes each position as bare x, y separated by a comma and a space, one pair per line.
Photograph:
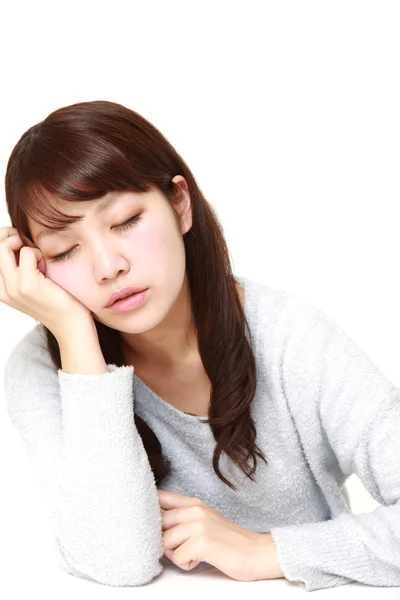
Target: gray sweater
322, 411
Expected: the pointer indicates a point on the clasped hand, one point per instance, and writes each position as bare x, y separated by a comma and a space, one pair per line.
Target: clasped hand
194, 532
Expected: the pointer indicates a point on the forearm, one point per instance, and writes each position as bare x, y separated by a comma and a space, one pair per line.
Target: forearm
80, 349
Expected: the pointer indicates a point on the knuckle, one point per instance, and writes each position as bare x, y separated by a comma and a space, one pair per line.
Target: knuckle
202, 540
199, 511
12, 240
24, 289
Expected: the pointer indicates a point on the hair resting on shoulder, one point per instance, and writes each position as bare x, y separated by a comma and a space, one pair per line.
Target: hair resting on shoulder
85, 150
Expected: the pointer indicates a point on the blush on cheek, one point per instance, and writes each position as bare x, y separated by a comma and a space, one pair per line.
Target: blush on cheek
71, 279
149, 240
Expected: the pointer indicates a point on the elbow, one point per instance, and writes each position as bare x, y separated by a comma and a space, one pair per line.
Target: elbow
114, 570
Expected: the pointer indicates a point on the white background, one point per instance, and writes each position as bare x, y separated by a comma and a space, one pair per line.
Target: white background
287, 114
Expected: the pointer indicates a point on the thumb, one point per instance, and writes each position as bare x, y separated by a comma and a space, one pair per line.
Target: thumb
42, 266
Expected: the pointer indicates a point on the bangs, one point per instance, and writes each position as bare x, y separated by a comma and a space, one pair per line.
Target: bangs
81, 172
44, 207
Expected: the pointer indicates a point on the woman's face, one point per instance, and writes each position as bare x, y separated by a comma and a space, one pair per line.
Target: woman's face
147, 252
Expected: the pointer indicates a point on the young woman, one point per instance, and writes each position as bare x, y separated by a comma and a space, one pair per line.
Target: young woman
143, 417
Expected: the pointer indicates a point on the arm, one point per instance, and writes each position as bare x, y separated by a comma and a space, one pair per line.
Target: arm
345, 410
79, 432
80, 350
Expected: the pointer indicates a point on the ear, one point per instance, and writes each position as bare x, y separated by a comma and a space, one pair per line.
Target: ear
183, 205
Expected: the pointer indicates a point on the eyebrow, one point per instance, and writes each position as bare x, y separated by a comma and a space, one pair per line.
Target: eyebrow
101, 205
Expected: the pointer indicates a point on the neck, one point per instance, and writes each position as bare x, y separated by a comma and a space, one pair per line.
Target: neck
168, 345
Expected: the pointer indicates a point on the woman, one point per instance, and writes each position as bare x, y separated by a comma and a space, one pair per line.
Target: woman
115, 400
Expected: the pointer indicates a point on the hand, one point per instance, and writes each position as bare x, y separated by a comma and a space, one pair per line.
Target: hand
195, 532
25, 287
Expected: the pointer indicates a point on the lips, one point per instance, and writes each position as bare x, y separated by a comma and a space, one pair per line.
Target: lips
123, 293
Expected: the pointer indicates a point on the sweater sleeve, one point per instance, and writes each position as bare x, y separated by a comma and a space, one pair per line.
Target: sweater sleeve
342, 402
90, 464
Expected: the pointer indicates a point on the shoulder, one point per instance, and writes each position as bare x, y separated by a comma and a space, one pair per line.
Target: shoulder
278, 314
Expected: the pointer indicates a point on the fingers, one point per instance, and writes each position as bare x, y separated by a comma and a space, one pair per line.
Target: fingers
175, 516
8, 263
169, 500
6, 232
10, 243
28, 258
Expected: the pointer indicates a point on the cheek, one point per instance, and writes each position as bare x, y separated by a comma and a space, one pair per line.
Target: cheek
149, 240
73, 279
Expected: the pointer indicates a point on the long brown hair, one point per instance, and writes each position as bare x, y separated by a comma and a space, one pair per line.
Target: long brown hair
82, 152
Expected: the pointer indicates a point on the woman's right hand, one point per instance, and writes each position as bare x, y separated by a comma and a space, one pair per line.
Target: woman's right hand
25, 287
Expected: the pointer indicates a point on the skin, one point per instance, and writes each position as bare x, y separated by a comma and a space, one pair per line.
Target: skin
150, 254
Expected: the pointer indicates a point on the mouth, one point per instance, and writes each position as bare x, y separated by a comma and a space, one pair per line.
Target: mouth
130, 302
123, 294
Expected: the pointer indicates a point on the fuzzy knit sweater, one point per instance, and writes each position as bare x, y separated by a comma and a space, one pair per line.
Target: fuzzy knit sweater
322, 411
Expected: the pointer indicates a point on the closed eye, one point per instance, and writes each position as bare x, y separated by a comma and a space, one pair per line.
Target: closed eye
124, 226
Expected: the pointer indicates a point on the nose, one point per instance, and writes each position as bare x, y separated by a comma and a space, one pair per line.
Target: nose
109, 262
